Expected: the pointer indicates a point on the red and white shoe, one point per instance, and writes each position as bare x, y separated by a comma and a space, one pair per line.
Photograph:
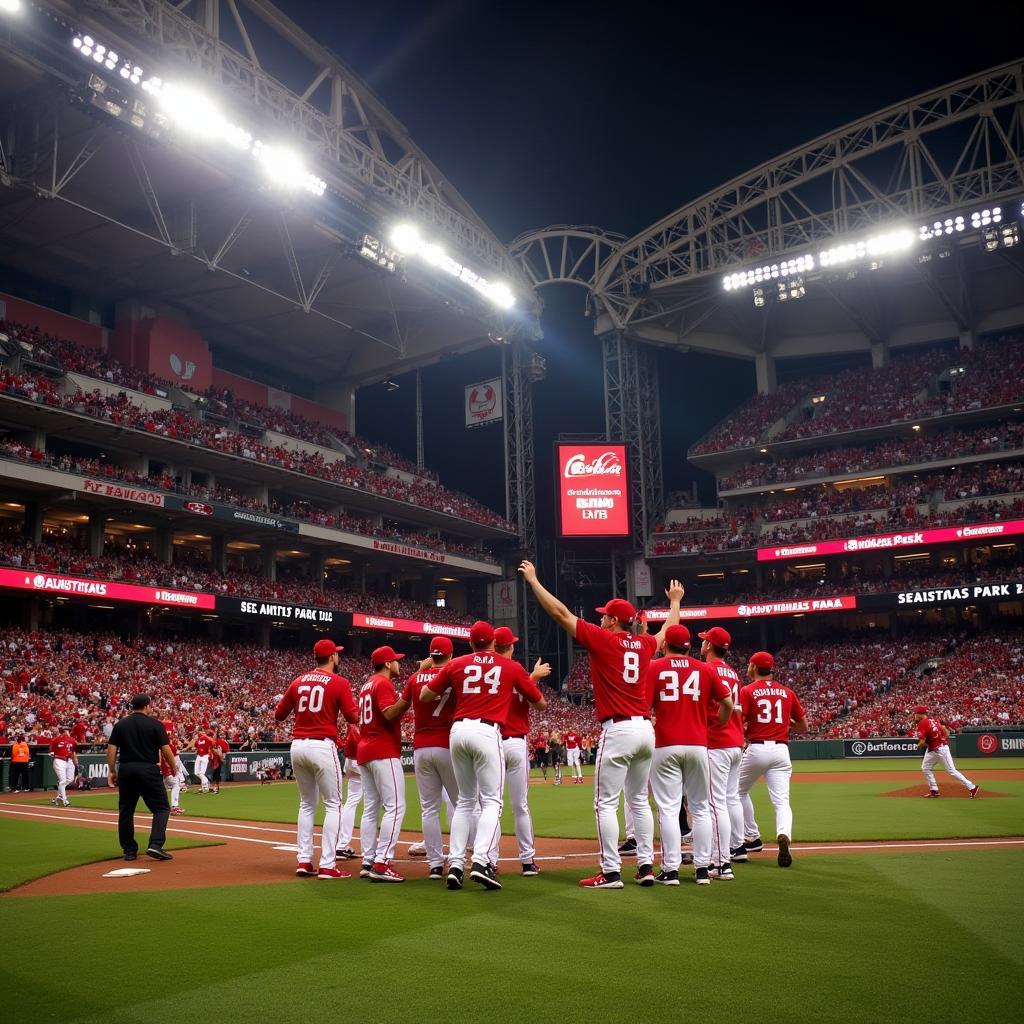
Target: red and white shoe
177, 810
613, 880
332, 873
384, 873
306, 870
974, 791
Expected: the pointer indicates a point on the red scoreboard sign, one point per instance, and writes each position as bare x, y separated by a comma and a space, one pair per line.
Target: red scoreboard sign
593, 490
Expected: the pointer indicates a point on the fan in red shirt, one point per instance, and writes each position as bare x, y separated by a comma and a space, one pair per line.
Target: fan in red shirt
65, 763
770, 711
935, 736
317, 698
683, 690
573, 746
483, 684
619, 657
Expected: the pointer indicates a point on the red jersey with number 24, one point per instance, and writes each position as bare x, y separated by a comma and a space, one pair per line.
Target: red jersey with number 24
433, 722
682, 691
768, 708
317, 698
484, 684
618, 663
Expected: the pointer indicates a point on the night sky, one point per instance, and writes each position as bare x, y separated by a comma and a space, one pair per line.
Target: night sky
615, 115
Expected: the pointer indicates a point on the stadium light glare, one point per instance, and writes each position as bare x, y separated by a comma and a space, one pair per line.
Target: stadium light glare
10, 6
406, 239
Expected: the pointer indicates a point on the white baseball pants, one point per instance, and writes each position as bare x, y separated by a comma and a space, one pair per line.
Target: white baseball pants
348, 812
435, 779
678, 769
317, 772
172, 783
771, 760
479, 766
383, 790
199, 770
932, 757
517, 776
572, 757
64, 769
725, 806
624, 755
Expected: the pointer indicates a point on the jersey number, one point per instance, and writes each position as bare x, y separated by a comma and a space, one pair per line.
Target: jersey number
441, 703
366, 708
631, 668
475, 673
670, 691
311, 698
764, 711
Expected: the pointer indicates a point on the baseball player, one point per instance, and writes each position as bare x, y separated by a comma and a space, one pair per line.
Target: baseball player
172, 779
770, 712
202, 744
517, 759
618, 663
380, 766
573, 746
725, 749
317, 698
216, 760
353, 796
432, 758
482, 684
682, 690
541, 755
934, 736
556, 756
65, 764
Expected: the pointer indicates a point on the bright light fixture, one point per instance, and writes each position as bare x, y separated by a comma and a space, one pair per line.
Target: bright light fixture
10, 6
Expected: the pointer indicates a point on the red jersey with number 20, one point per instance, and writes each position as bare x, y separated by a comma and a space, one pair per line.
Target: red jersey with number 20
682, 691
483, 685
317, 698
433, 722
730, 734
768, 708
618, 663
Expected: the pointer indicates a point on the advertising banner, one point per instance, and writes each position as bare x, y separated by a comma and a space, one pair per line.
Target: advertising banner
383, 622
800, 606
989, 744
270, 610
890, 746
391, 547
124, 492
971, 593
484, 403
504, 603
72, 586
593, 490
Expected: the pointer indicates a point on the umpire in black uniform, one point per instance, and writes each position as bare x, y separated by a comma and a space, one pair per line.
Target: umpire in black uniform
141, 740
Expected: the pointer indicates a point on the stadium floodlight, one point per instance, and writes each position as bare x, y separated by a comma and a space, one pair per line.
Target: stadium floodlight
983, 218
406, 239
890, 242
10, 6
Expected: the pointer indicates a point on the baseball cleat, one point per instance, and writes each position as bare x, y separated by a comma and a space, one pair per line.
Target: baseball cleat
611, 880
785, 857
437, 872
347, 854
932, 794
667, 877
305, 870
484, 875
753, 845
53, 802
67, 803
628, 848
364, 870
687, 840
739, 854
645, 875
384, 873
703, 876
332, 873
177, 810
974, 791
724, 873
531, 869
418, 850
454, 879
158, 853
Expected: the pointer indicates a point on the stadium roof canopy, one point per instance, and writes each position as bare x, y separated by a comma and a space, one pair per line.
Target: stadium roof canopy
104, 199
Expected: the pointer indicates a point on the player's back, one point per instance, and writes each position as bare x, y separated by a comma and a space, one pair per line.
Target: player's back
379, 737
681, 690
483, 684
432, 723
618, 664
317, 698
731, 733
768, 709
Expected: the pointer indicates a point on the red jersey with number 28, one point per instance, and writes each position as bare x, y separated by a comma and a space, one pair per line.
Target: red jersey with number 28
379, 739
933, 732
618, 663
483, 685
768, 708
317, 698
62, 747
433, 722
730, 734
682, 691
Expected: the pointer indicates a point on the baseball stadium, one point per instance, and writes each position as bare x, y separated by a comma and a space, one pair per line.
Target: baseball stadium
333, 549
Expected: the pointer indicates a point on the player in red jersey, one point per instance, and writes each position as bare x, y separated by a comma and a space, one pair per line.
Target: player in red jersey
683, 690
432, 757
65, 764
380, 765
618, 661
483, 684
770, 711
725, 749
201, 744
172, 778
354, 795
317, 698
934, 736
573, 748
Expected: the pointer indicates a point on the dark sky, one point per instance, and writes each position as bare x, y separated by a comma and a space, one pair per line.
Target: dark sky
615, 115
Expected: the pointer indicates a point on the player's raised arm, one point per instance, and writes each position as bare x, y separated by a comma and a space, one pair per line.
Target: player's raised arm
551, 605
675, 592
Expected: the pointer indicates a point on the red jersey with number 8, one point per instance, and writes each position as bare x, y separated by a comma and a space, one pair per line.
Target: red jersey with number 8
433, 722
682, 691
618, 664
483, 685
768, 708
317, 699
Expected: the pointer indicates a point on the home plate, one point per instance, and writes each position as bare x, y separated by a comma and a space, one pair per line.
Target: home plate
126, 872
287, 849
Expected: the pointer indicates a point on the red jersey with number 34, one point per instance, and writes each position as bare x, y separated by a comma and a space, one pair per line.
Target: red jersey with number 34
379, 738
483, 685
682, 691
618, 663
432, 722
317, 698
768, 708
730, 734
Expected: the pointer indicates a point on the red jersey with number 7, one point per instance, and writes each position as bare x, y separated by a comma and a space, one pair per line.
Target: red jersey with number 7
683, 690
768, 708
618, 664
432, 722
483, 685
317, 698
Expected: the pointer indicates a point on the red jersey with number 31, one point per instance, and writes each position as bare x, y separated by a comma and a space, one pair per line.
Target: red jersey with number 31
618, 663
484, 684
317, 698
433, 722
682, 691
768, 708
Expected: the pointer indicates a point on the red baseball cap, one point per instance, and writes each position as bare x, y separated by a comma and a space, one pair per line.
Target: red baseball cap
325, 648
717, 636
384, 655
920, 710
618, 608
440, 646
762, 660
677, 636
504, 637
481, 633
